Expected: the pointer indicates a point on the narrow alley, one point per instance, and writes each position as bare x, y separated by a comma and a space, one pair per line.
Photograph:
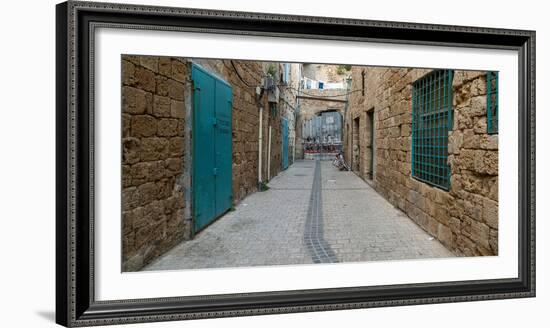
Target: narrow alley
229, 163
311, 213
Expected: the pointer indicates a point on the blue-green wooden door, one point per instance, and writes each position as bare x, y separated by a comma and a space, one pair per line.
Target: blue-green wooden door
285, 143
223, 146
212, 147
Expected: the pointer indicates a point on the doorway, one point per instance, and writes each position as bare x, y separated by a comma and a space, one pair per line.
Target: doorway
212, 147
370, 144
285, 143
356, 147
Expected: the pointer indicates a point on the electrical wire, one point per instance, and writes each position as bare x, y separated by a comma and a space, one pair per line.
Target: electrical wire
320, 96
239, 75
252, 73
290, 87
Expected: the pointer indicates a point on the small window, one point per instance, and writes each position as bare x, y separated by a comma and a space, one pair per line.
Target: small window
492, 102
432, 114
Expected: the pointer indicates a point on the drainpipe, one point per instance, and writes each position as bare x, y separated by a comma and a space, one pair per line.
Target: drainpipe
260, 149
269, 155
295, 132
346, 107
298, 115
294, 143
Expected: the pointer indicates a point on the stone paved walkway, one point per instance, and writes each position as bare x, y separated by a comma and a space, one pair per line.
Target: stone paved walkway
312, 213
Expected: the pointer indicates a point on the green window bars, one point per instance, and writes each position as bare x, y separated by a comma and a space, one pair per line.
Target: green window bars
432, 119
492, 102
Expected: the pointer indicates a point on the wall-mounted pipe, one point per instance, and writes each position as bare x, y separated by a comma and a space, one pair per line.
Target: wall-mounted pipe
260, 141
294, 139
294, 146
269, 155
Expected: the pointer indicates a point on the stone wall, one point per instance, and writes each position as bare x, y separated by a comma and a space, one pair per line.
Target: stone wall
314, 101
246, 109
153, 147
288, 104
465, 218
157, 132
296, 81
323, 72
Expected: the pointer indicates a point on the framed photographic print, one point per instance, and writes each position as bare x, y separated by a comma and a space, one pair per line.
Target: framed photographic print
214, 163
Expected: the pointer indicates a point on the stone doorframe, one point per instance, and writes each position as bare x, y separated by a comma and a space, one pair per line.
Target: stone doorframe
355, 142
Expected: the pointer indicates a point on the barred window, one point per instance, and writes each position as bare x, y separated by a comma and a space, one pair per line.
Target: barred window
492, 102
432, 119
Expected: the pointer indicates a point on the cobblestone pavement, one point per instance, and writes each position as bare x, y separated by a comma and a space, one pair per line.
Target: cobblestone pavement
312, 213
361, 225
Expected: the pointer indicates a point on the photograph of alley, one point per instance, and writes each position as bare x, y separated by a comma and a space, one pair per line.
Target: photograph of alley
235, 163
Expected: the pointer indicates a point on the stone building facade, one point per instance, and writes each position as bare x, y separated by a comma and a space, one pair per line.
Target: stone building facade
378, 144
286, 79
289, 85
312, 102
153, 149
326, 73
157, 109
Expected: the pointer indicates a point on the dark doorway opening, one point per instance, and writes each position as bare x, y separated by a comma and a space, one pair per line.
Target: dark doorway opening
356, 148
370, 144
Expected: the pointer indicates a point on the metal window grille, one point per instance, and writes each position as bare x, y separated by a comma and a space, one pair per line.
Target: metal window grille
492, 102
432, 115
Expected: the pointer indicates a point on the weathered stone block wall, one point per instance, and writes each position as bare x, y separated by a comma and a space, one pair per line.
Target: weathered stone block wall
323, 72
157, 131
314, 101
288, 104
473, 157
465, 218
296, 72
153, 147
245, 121
246, 111
360, 102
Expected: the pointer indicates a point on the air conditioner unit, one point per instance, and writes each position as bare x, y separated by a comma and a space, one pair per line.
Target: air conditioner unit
273, 95
268, 83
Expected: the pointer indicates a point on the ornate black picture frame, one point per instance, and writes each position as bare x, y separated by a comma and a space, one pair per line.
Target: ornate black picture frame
75, 301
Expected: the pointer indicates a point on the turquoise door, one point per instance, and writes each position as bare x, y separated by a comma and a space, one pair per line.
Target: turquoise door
212, 147
285, 143
223, 145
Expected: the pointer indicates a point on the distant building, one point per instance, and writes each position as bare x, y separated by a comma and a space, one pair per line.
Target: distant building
323, 96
